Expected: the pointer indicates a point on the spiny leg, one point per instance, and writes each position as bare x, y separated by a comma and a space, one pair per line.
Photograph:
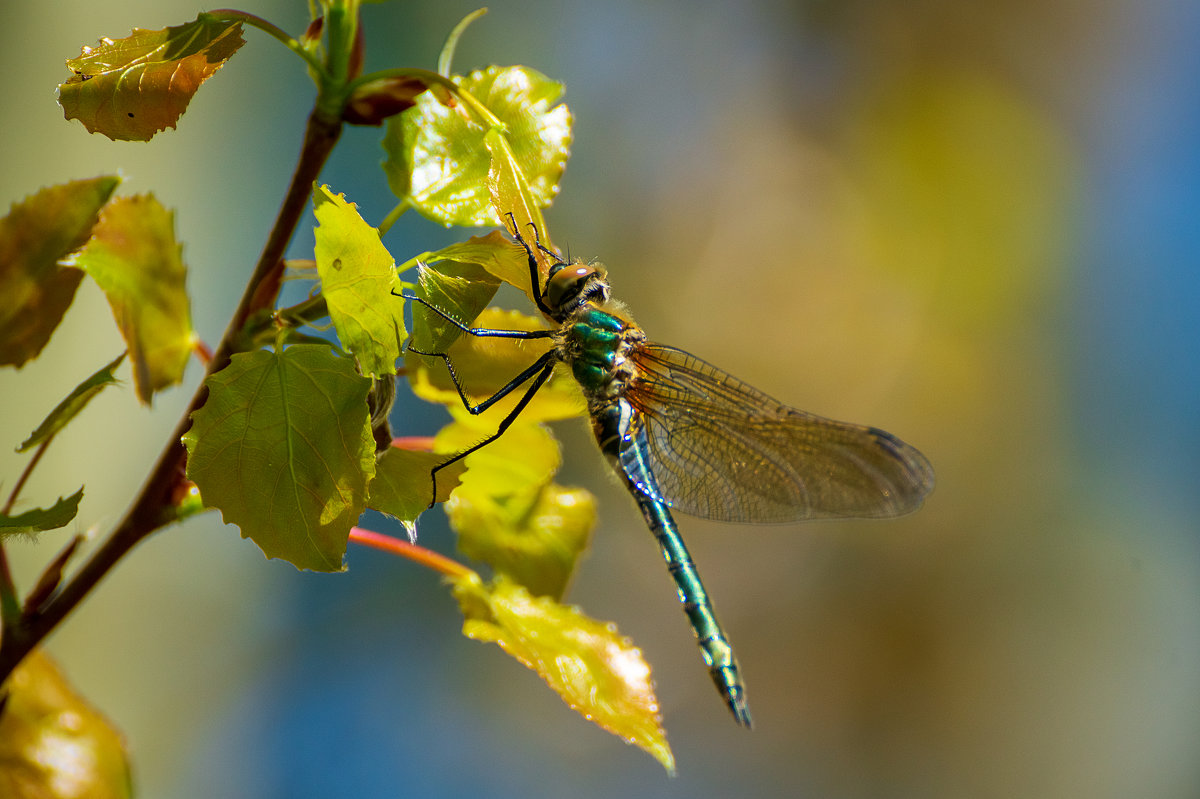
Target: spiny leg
546, 364
540, 370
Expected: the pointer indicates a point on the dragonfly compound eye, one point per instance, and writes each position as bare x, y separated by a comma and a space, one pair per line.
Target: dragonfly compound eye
567, 283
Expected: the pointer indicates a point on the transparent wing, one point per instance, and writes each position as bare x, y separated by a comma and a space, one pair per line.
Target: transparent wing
722, 450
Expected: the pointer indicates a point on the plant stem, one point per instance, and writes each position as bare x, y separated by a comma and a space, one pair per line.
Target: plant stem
153, 507
232, 14
396, 546
10, 603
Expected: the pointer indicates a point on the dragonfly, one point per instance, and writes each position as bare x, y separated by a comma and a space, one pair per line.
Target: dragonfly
682, 434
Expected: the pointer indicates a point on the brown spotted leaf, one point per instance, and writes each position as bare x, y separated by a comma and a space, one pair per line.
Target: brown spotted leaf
129, 89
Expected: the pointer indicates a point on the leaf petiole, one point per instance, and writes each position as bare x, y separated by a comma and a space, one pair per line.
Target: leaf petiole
273, 30
426, 557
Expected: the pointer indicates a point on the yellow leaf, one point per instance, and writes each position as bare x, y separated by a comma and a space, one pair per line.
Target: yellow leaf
596, 671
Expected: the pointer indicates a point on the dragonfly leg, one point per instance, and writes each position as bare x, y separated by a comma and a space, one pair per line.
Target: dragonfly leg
540, 370
534, 280
546, 365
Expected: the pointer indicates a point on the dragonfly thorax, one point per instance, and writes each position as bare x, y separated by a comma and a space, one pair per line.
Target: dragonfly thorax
571, 286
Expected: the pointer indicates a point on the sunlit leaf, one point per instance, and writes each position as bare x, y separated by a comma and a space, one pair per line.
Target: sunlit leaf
537, 549
461, 290
53, 745
357, 279
70, 407
502, 258
283, 448
485, 365
35, 236
595, 670
512, 469
134, 258
130, 89
403, 487
437, 158
58, 515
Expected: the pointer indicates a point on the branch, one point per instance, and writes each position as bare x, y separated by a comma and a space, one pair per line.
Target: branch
153, 507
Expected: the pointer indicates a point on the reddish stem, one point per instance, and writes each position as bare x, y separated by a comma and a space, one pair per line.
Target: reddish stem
397, 546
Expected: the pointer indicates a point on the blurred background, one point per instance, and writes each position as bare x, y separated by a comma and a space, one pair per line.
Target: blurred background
974, 225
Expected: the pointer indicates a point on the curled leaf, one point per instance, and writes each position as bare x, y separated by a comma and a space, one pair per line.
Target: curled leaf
129, 89
75, 402
35, 236
375, 101
58, 515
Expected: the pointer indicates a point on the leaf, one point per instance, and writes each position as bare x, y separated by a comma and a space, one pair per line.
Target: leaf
283, 448
485, 365
507, 512
357, 278
376, 100
70, 407
39, 519
403, 488
461, 290
53, 744
512, 469
135, 260
501, 258
75, 402
595, 670
37, 233
132, 88
436, 154
538, 549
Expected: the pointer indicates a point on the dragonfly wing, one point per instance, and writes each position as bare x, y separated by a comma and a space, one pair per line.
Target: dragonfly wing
721, 449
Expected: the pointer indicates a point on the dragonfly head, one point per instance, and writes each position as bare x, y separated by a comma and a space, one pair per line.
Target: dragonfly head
570, 286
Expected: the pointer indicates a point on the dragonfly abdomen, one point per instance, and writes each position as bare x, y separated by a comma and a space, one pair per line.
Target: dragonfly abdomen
715, 647
618, 430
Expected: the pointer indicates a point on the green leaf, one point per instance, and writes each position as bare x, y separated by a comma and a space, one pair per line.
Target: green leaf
485, 365
403, 488
60, 515
283, 448
132, 88
501, 258
596, 671
437, 158
506, 511
510, 470
37, 233
357, 278
537, 549
462, 290
53, 744
135, 260
70, 407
